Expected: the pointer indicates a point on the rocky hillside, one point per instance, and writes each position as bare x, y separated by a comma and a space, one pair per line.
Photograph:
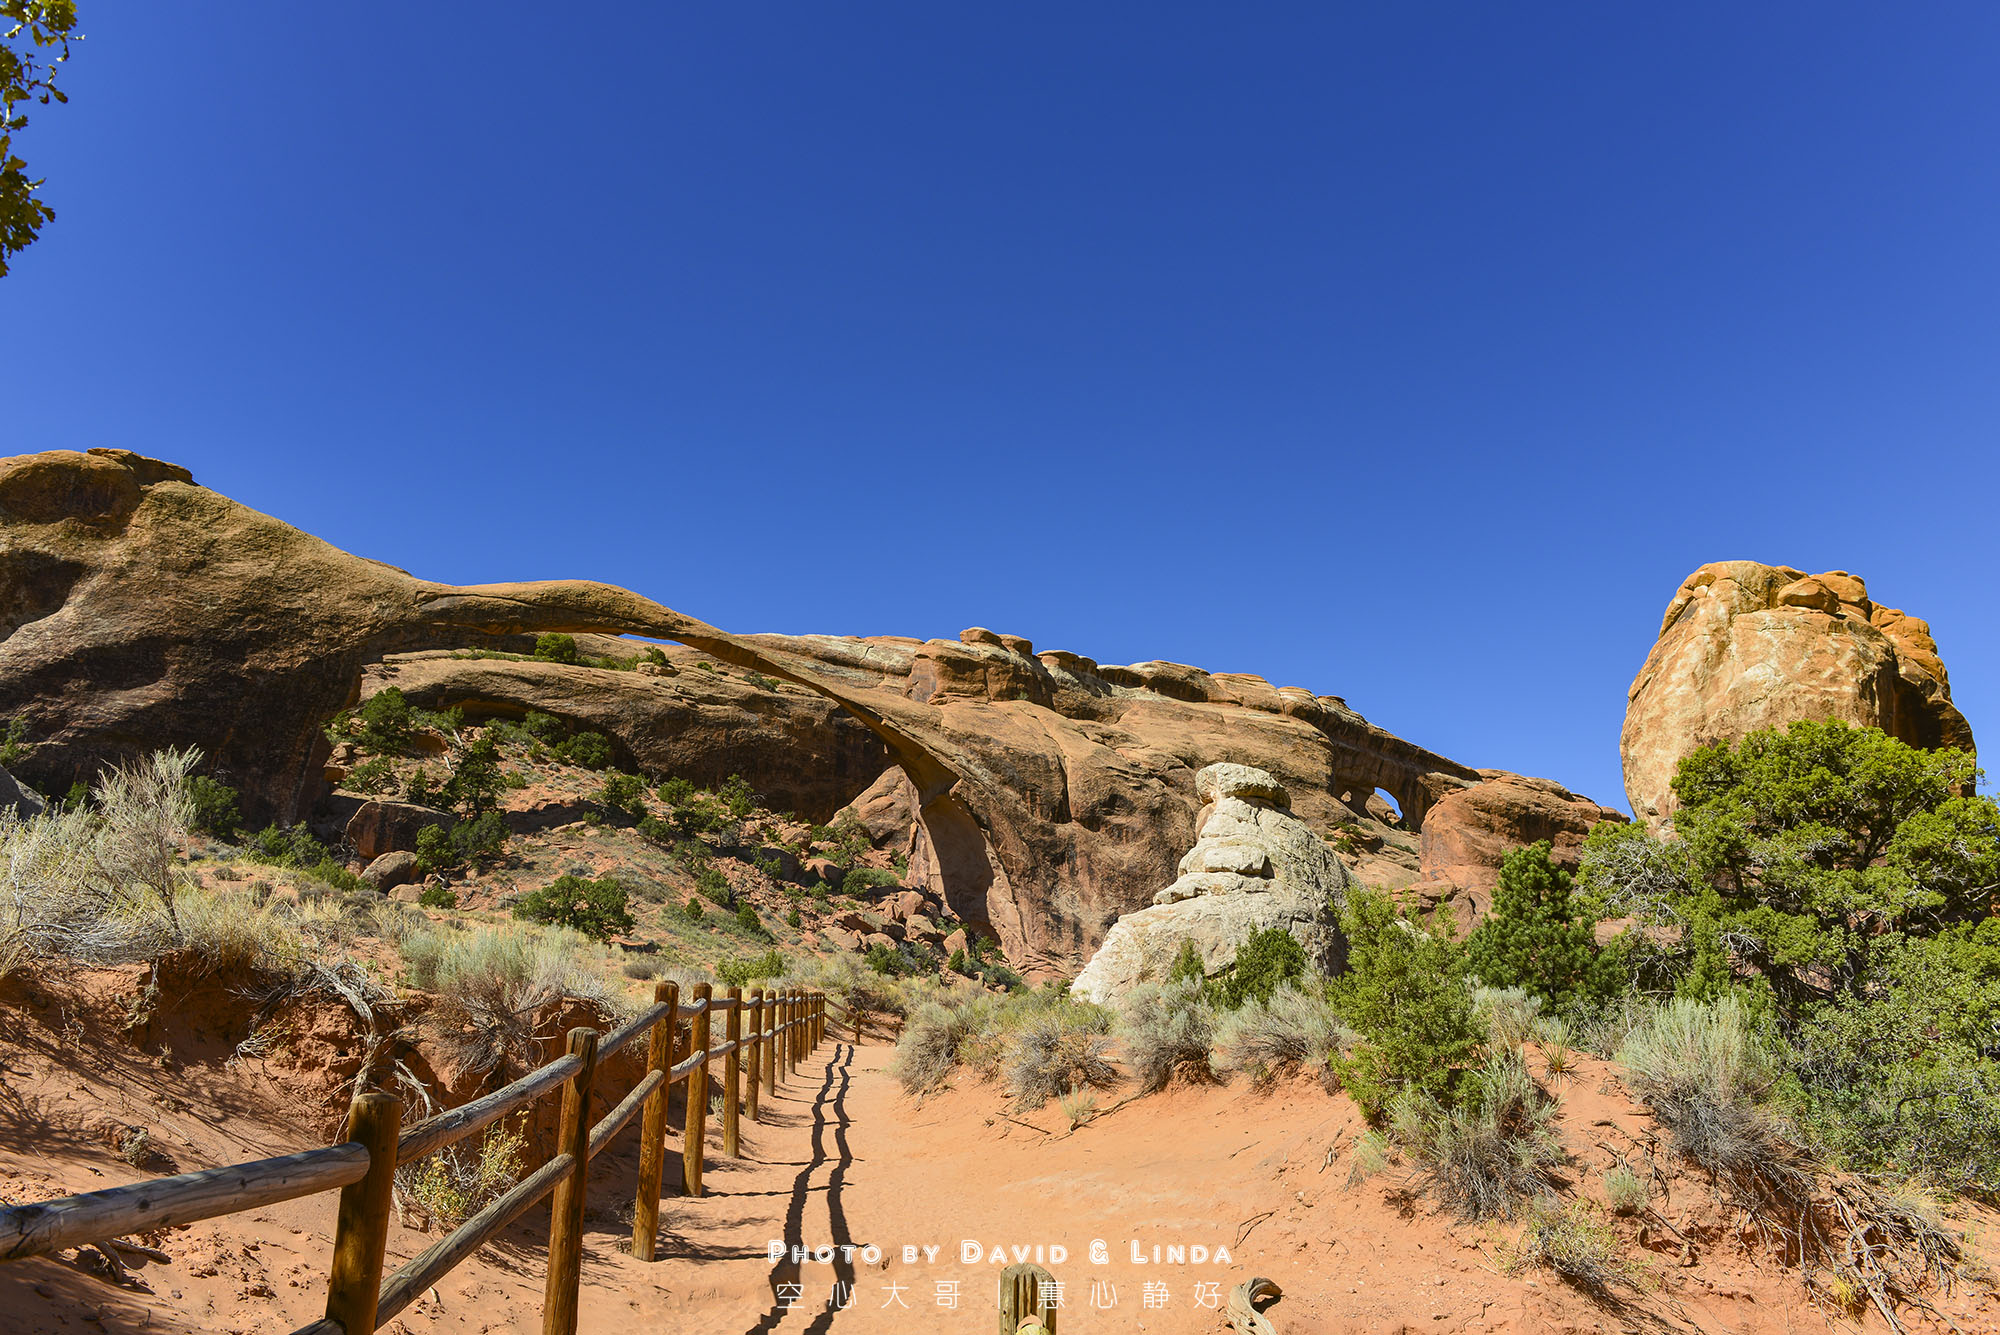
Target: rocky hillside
1038, 794
714, 878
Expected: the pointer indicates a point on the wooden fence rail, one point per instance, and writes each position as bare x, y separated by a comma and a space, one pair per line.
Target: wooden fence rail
768, 1032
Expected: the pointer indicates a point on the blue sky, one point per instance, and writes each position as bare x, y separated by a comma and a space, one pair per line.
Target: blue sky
1410, 353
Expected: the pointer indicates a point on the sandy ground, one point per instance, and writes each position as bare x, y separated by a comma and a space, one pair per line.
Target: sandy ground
842, 1159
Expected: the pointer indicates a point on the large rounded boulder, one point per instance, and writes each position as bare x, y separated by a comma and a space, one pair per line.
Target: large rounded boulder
1746, 646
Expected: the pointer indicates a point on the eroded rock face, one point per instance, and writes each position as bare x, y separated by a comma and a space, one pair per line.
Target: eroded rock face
1253, 866
1471, 831
798, 749
1745, 646
139, 610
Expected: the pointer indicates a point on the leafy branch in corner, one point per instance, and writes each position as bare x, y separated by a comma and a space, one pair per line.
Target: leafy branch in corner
32, 51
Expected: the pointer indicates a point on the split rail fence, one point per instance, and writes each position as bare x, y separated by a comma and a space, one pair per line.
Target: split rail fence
776, 1031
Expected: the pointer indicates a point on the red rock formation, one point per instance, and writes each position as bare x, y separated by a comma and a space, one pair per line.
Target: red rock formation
1472, 830
1745, 646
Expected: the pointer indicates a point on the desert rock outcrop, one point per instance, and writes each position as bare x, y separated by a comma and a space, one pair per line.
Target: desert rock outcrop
1472, 830
24, 802
1745, 646
1253, 866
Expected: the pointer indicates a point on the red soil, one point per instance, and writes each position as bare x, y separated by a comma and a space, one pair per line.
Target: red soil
843, 1157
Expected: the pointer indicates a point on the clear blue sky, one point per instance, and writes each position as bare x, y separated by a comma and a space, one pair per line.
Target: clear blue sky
1412, 353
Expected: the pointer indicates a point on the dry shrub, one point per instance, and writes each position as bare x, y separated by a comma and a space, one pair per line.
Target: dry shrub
491, 981
1078, 1106
1895, 1247
1484, 1157
1169, 1030
98, 885
1704, 1073
935, 1039
1294, 1031
860, 996
1371, 1156
1605, 1030
1066, 1048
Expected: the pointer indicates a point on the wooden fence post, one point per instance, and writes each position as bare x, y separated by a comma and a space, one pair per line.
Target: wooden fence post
819, 1018
559, 1295
792, 1032
362, 1230
653, 1129
756, 1068
697, 1099
778, 1039
771, 1041
732, 1067
799, 1029
1021, 1297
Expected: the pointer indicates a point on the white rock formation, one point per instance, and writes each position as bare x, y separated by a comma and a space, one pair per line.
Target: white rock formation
1254, 865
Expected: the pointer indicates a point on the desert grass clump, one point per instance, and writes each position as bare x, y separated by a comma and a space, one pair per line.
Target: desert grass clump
1557, 1040
1625, 1191
1490, 1152
491, 981
1704, 1073
1509, 1014
934, 1039
1371, 1156
1078, 1106
1064, 1048
229, 932
1576, 1245
447, 1188
1169, 1031
1296, 1030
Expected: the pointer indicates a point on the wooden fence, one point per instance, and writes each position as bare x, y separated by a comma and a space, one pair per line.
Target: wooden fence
775, 1031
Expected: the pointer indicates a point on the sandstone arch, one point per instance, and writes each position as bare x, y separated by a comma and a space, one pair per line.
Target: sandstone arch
143, 610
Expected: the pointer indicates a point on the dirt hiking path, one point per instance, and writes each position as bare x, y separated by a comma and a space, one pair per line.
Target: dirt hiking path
840, 1158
